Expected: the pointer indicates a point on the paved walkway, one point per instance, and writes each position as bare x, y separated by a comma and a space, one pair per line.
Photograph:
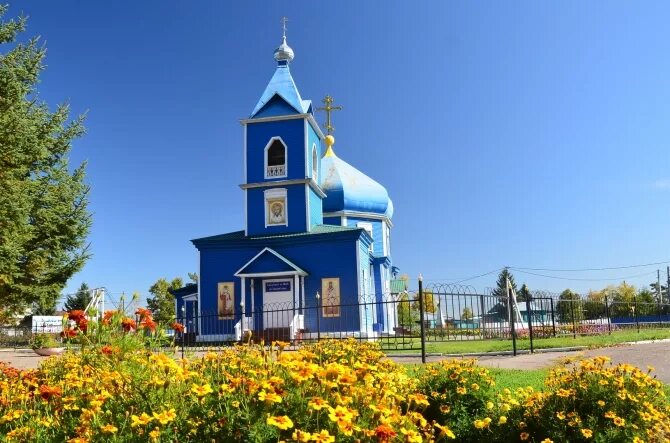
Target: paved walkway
656, 354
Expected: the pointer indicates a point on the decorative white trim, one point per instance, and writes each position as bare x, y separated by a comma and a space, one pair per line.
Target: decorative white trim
309, 117
312, 184
275, 193
245, 153
315, 162
190, 297
265, 156
276, 254
268, 274
344, 220
302, 292
359, 214
246, 215
243, 296
308, 218
368, 228
306, 137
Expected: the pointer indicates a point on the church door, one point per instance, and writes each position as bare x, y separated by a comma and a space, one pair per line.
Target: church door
277, 303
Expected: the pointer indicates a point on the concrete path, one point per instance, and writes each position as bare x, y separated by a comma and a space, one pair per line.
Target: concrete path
656, 354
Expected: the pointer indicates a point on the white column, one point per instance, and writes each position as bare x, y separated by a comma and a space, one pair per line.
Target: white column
243, 301
296, 286
253, 326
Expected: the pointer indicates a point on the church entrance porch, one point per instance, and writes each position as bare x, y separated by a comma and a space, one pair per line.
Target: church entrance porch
278, 309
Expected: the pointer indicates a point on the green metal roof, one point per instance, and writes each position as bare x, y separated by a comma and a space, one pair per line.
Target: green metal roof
316, 230
398, 286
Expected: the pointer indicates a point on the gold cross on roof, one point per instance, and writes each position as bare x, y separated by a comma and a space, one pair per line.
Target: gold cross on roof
329, 108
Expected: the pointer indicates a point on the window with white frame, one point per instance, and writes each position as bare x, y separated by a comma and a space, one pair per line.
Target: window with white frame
276, 207
387, 239
275, 158
368, 227
315, 164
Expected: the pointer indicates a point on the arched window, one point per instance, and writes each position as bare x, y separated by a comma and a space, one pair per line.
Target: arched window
275, 158
315, 165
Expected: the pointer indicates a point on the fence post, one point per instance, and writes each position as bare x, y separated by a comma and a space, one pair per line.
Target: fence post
482, 321
607, 313
183, 333
553, 319
422, 324
318, 317
637, 321
511, 317
529, 313
574, 324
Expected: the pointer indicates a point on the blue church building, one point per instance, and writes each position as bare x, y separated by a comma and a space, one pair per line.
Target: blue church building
314, 256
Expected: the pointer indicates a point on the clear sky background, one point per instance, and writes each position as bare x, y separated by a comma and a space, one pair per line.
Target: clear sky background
528, 134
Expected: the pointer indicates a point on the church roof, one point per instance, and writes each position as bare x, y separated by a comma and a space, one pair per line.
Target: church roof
348, 189
282, 85
316, 230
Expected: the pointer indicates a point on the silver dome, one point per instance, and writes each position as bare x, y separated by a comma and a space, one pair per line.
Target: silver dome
284, 52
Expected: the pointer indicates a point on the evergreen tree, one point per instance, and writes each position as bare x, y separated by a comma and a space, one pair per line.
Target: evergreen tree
161, 304
79, 300
44, 218
569, 307
501, 286
523, 294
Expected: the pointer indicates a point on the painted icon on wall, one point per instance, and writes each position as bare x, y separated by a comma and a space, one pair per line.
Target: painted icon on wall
276, 211
330, 290
226, 299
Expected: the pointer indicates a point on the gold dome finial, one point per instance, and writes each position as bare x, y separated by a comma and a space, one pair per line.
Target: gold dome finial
330, 141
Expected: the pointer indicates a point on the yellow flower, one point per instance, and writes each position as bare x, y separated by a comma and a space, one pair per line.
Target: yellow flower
444, 430
323, 437
411, 436
502, 420
524, 436
547, 440
201, 391
155, 434
281, 422
269, 397
619, 421
340, 414
109, 429
141, 420
165, 417
317, 403
301, 436
461, 390
587, 433
601, 403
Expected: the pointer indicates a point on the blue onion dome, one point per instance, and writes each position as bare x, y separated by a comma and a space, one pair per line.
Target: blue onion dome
348, 189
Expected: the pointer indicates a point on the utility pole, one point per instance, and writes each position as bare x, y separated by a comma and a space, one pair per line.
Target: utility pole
667, 288
659, 293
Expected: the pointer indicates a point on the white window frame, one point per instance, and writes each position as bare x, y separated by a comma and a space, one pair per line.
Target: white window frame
273, 194
315, 164
368, 227
265, 154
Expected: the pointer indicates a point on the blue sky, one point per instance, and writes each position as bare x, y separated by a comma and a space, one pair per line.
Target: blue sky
529, 134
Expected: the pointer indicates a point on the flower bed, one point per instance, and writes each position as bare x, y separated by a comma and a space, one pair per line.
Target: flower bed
331, 391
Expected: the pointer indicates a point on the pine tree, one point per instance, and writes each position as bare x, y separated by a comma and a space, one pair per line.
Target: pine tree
80, 299
523, 294
44, 219
501, 285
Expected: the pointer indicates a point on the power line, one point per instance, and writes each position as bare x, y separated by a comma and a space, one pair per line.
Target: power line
519, 268
469, 278
582, 279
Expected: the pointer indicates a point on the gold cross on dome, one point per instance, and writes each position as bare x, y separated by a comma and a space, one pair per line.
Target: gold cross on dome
329, 108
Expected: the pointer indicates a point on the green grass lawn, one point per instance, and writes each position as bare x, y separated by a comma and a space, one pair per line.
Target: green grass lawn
592, 341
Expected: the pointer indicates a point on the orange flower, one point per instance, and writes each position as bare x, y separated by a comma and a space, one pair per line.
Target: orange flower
76, 315
82, 324
47, 392
384, 433
148, 323
68, 332
128, 324
143, 313
178, 327
109, 350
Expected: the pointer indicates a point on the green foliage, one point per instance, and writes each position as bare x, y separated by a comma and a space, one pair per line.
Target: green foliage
501, 286
79, 300
161, 304
428, 302
407, 315
44, 218
523, 294
467, 314
45, 340
569, 307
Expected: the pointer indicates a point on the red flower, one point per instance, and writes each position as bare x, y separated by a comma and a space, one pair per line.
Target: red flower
82, 324
68, 333
178, 327
109, 350
76, 315
128, 324
143, 313
384, 433
148, 323
47, 392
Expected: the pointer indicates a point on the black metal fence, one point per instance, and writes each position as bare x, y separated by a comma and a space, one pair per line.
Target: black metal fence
441, 313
